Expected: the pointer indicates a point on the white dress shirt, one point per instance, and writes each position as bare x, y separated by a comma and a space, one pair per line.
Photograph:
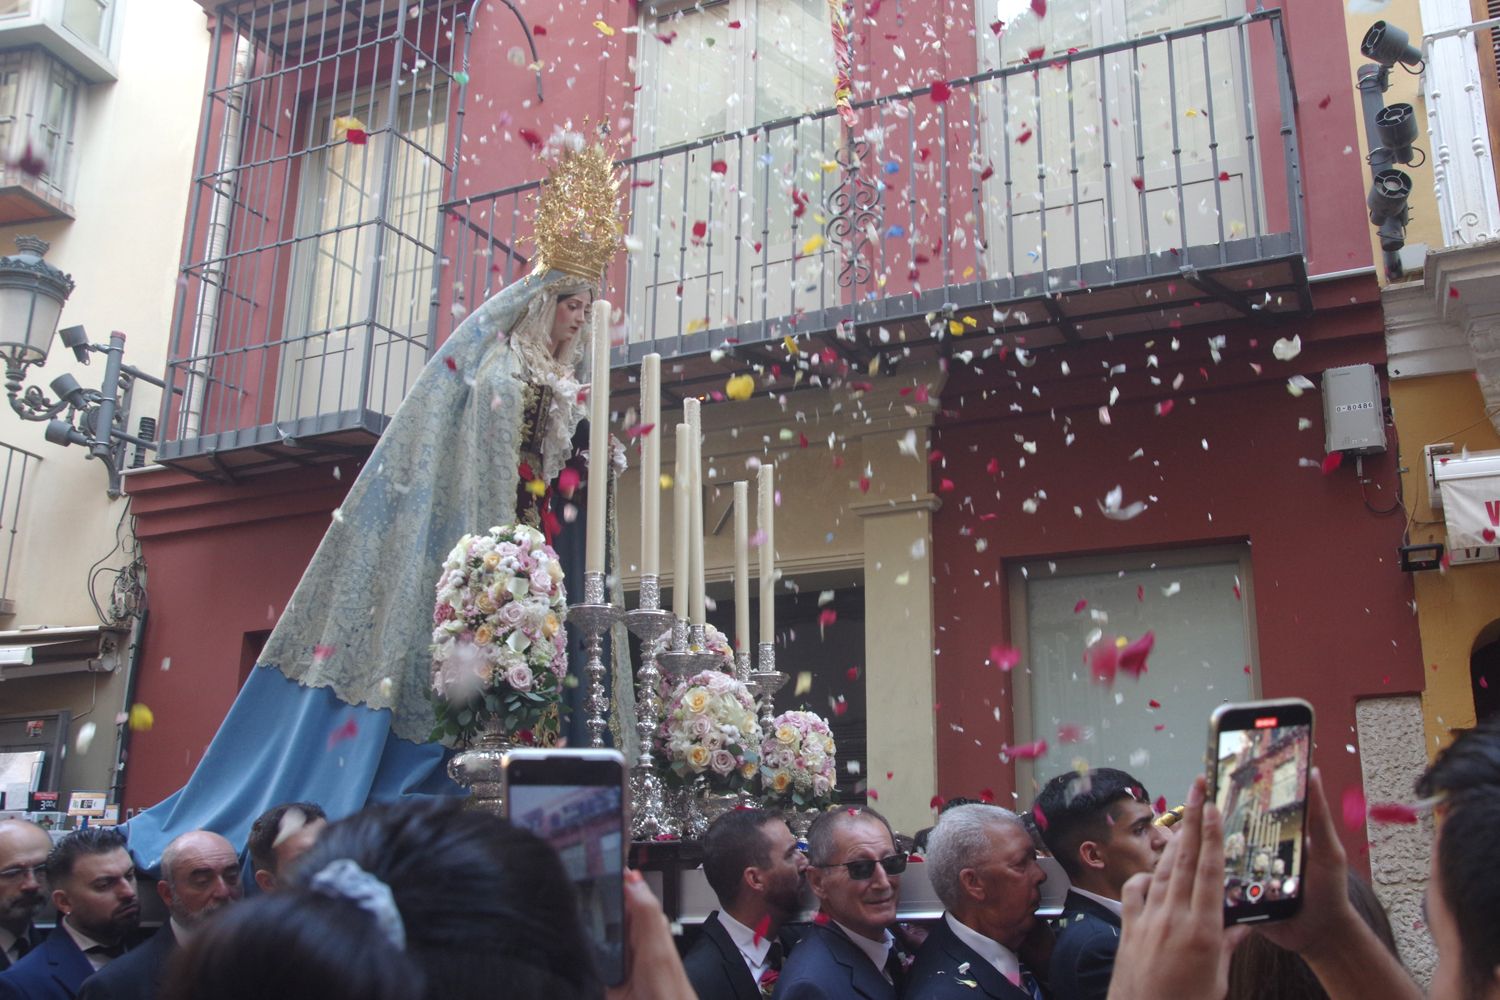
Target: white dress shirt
1112, 905
756, 953
876, 951
1002, 958
84, 943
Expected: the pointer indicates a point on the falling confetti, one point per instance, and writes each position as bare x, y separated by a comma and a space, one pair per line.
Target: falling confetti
1026, 751
347, 731
141, 718
1354, 808
740, 387
1005, 657
85, 737
1393, 812
604, 29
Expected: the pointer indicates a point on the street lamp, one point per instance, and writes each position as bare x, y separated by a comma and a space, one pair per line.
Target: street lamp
32, 293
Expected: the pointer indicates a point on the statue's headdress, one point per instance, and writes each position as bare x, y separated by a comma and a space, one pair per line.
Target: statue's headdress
578, 225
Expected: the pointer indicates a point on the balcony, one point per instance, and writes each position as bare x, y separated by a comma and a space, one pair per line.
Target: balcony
1146, 185
1461, 82
302, 312
39, 97
15, 465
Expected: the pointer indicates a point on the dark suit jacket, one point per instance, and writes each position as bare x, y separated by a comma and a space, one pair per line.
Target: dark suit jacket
715, 966
135, 975
936, 975
1083, 958
53, 971
826, 965
35, 934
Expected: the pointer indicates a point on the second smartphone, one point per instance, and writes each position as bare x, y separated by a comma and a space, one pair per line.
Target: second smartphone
1259, 754
575, 800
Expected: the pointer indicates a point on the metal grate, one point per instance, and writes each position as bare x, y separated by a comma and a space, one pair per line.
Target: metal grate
1142, 184
301, 316
15, 463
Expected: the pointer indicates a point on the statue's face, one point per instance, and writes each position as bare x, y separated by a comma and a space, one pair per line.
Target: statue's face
572, 312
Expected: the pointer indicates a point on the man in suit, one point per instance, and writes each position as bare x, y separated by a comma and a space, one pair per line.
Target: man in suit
200, 876
280, 836
1100, 828
93, 888
23, 886
983, 867
752, 864
855, 872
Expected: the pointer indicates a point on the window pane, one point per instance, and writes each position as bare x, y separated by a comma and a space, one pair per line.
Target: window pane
87, 19
690, 59
1197, 664
9, 7
793, 62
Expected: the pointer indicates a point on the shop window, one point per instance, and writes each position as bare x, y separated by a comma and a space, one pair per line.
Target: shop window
1198, 605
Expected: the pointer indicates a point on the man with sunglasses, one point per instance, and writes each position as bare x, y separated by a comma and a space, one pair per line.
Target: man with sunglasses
983, 867
23, 887
855, 871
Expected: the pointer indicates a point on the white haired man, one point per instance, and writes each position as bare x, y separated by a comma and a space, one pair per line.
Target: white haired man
983, 867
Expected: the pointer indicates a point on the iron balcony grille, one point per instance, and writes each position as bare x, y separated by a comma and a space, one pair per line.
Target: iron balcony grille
301, 314
1144, 184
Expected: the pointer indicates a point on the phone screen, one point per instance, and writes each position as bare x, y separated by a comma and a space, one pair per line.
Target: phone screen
1260, 787
585, 823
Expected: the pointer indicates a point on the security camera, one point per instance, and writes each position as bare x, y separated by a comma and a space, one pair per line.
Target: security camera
77, 338
1388, 45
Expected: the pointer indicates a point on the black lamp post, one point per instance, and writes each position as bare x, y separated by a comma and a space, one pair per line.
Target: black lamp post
32, 293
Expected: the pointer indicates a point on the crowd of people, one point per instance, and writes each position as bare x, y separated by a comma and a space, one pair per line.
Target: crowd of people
425, 899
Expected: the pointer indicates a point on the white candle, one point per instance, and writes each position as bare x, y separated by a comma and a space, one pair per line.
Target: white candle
598, 441
681, 521
697, 612
651, 465
742, 565
766, 509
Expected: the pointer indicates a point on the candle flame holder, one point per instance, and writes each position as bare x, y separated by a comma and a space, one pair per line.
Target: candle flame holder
594, 617
651, 816
765, 681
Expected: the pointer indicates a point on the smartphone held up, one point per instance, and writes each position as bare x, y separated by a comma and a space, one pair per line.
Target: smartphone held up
575, 800
1259, 756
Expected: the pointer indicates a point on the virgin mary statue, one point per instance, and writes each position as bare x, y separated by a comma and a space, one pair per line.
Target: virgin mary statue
336, 711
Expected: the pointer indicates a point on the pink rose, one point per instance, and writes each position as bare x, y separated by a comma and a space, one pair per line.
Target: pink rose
519, 677
541, 581
511, 615
722, 762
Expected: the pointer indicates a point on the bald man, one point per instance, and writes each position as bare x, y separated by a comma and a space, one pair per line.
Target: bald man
200, 876
23, 887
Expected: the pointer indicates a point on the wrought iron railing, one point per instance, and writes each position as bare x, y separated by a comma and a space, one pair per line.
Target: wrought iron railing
15, 465
1159, 155
1462, 88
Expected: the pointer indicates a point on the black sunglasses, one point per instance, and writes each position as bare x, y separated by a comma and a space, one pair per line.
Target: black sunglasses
865, 867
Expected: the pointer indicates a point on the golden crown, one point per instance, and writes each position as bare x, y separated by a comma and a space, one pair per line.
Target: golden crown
578, 225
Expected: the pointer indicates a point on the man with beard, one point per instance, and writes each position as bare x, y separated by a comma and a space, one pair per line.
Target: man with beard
983, 867
93, 888
23, 883
855, 871
1100, 827
752, 863
200, 876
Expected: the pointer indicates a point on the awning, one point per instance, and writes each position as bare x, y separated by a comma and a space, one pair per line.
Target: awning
1470, 486
44, 651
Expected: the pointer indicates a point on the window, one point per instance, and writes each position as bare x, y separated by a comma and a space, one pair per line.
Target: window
79, 33
723, 228
1198, 605
39, 117
89, 20
360, 232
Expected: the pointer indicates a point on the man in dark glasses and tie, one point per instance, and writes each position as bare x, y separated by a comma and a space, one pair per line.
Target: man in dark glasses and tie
855, 871
983, 867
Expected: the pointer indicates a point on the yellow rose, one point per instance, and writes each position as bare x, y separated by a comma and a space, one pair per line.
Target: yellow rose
781, 782
550, 625
492, 560
484, 603
483, 634
747, 770
695, 701
786, 735
698, 758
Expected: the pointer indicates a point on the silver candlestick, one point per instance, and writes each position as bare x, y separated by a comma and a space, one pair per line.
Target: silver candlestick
766, 680
742, 666
677, 661
649, 622
595, 616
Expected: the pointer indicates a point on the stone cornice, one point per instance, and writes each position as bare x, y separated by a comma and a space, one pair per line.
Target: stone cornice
926, 502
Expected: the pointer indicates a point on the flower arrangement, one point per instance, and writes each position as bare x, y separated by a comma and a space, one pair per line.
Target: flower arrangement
499, 650
709, 731
797, 761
